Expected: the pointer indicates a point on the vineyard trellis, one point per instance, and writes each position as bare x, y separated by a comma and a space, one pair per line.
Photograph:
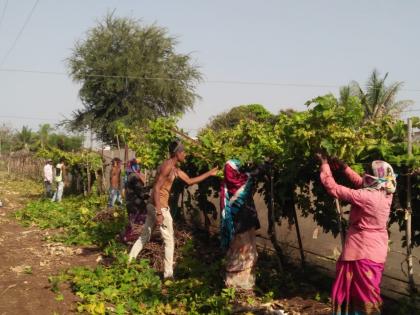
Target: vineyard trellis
290, 142
84, 168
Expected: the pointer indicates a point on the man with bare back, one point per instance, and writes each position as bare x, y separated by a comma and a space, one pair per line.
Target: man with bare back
158, 212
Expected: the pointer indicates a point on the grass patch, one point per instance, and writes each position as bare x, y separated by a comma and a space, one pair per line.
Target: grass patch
73, 220
137, 288
198, 287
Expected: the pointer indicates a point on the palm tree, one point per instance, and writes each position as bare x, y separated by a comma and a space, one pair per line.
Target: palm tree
25, 137
44, 134
379, 99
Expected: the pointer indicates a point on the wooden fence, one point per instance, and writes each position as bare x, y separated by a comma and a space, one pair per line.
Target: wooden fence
23, 164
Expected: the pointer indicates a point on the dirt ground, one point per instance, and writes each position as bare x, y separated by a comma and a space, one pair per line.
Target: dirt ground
26, 261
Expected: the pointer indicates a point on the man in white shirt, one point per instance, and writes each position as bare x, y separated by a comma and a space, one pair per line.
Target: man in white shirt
48, 177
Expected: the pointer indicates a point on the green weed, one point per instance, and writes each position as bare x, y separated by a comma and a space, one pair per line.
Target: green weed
73, 220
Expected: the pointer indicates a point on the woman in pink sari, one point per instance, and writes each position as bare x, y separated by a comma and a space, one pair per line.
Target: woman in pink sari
356, 289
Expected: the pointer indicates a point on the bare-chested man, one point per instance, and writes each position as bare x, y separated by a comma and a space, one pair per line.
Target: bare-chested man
115, 183
158, 212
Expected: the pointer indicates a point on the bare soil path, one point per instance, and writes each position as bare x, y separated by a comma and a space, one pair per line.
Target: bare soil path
26, 261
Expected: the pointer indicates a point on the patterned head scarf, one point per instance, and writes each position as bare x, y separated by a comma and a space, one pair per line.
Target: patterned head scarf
234, 191
133, 166
383, 178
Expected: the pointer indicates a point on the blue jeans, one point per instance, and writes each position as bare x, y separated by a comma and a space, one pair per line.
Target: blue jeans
114, 195
59, 192
48, 188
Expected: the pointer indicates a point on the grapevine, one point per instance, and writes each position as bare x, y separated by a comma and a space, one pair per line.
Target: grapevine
290, 142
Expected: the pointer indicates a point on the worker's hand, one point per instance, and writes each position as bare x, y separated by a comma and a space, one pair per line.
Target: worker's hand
159, 219
213, 171
336, 164
321, 158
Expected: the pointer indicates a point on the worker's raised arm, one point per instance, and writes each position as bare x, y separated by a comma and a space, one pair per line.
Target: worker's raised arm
195, 180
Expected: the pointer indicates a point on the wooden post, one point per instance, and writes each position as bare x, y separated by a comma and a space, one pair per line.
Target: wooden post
103, 171
302, 254
103, 180
78, 180
125, 154
340, 221
272, 225
408, 212
89, 179
118, 146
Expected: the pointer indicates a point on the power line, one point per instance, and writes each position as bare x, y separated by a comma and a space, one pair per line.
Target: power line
230, 82
27, 117
32, 71
20, 33
4, 12
55, 119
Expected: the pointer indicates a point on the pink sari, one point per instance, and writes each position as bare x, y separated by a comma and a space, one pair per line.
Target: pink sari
356, 289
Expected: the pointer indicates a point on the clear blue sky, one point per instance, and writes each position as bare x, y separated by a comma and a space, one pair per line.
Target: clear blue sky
304, 42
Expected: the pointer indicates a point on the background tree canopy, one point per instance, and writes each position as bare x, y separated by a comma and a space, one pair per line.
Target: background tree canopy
129, 72
231, 118
45, 138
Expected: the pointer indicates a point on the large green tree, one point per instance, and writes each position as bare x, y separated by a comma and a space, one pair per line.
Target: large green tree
229, 119
378, 98
129, 72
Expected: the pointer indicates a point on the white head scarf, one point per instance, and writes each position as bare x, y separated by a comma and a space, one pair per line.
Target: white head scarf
383, 177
